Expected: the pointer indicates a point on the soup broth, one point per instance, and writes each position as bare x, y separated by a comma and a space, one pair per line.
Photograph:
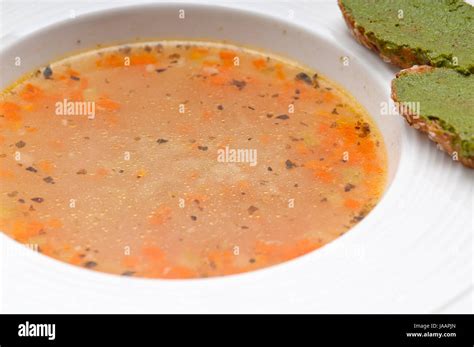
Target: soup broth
183, 160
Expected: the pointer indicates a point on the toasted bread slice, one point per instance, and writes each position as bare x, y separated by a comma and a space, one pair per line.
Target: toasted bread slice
415, 32
440, 103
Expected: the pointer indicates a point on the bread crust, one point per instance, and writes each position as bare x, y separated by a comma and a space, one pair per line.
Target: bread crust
404, 58
431, 127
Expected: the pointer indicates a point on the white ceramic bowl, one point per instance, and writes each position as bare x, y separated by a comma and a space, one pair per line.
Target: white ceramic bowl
358, 272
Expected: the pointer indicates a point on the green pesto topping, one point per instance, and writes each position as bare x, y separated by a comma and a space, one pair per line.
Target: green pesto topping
439, 32
445, 96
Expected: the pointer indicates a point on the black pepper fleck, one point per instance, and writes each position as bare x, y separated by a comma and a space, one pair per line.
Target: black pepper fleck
252, 209
289, 164
90, 264
20, 144
49, 180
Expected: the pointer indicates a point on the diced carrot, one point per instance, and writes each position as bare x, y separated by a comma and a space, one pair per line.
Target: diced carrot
178, 272
265, 248
143, 58
259, 64
279, 71
219, 79
23, 230
6, 174
153, 254
75, 259
352, 204
198, 53
210, 63
323, 175
46, 166
221, 260
110, 60
48, 249
9, 107
160, 215
329, 97
11, 112
227, 55
130, 261
31, 92
107, 104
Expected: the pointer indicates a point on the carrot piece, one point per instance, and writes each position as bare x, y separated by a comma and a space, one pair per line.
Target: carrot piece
47, 166
329, 97
352, 204
160, 215
130, 261
9, 106
31, 92
11, 112
23, 230
107, 104
75, 259
259, 64
227, 55
7, 174
265, 248
222, 260
153, 254
198, 53
218, 80
178, 272
210, 63
110, 60
279, 71
143, 58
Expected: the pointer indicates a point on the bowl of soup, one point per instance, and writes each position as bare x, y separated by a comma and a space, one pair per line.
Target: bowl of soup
172, 150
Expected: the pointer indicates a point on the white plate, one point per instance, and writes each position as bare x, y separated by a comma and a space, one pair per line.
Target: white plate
413, 253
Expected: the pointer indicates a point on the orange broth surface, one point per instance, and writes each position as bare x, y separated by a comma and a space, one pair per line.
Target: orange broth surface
184, 159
